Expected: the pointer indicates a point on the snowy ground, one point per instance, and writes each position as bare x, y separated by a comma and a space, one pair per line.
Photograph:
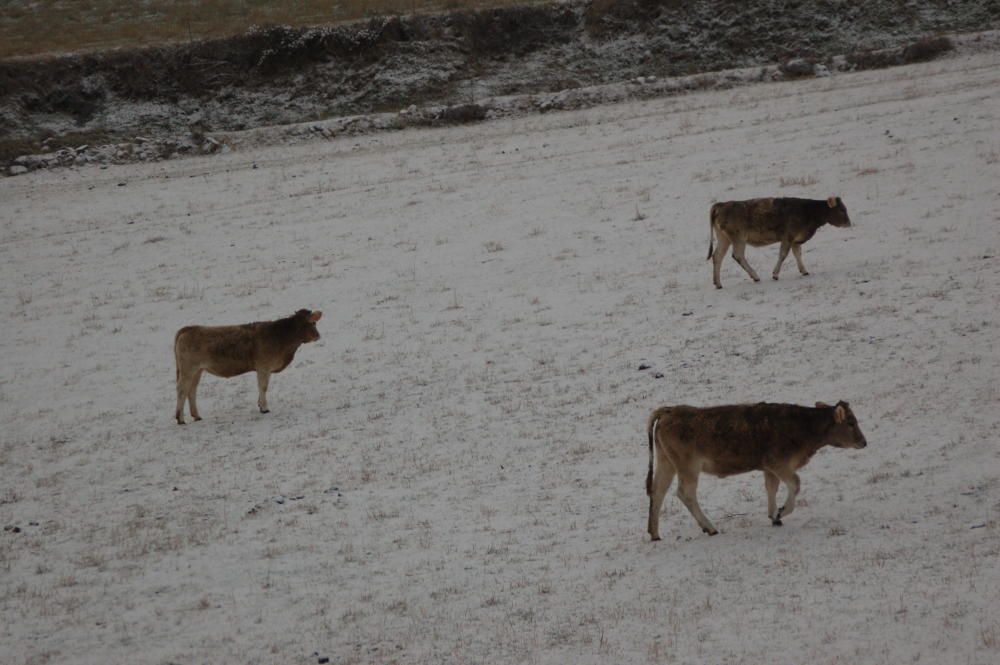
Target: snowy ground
454, 473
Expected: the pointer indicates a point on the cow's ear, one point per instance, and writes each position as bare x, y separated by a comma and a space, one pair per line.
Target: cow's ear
839, 414
822, 405
315, 316
832, 201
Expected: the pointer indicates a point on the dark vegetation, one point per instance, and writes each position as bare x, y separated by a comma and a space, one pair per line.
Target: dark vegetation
279, 74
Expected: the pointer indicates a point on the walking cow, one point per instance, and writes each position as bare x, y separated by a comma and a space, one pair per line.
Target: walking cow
760, 222
777, 439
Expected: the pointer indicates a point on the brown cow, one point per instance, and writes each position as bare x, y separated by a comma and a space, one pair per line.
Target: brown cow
760, 222
725, 440
265, 347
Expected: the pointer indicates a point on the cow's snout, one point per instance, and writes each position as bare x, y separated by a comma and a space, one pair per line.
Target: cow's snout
863, 443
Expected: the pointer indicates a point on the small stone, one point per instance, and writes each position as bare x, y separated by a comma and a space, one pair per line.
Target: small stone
279, 499
17, 169
658, 375
643, 366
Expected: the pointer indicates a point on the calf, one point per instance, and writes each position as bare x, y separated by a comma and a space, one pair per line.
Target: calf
725, 440
760, 222
265, 347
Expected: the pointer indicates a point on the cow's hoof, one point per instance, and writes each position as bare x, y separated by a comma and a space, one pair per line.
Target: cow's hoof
757, 280
718, 286
655, 538
776, 522
196, 418
711, 532
774, 277
265, 410
180, 422
805, 274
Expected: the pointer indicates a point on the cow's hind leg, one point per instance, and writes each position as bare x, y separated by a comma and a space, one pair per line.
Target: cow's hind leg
662, 477
782, 255
262, 380
739, 254
771, 483
185, 379
687, 490
797, 252
718, 257
192, 402
181, 396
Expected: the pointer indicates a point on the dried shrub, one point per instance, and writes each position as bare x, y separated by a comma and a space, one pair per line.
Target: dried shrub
927, 49
514, 30
602, 17
463, 113
874, 59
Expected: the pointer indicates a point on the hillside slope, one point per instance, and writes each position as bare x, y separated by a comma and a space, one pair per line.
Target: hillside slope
454, 473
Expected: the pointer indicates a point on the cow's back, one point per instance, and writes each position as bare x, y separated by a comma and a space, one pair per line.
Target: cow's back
737, 438
766, 221
225, 351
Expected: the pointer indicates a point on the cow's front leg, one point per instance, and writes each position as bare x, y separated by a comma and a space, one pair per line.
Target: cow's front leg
263, 376
792, 484
797, 252
771, 483
782, 254
687, 490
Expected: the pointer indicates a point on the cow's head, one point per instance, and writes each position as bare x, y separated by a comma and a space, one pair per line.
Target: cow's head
306, 325
845, 432
838, 212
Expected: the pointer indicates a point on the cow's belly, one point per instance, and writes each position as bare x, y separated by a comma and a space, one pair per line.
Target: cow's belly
227, 370
762, 238
724, 467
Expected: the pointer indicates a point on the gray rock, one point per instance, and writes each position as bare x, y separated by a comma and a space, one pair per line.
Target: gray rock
797, 67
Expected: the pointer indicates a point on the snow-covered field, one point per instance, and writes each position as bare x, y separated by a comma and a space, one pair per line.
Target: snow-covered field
454, 473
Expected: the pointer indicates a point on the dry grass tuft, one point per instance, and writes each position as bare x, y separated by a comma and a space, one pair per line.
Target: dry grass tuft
798, 181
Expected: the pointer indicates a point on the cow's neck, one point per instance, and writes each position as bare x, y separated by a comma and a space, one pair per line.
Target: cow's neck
283, 331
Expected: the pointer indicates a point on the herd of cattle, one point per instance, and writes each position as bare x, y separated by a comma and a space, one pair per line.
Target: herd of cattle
777, 439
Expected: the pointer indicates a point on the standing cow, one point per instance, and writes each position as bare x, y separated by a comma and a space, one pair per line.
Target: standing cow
777, 439
265, 347
760, 222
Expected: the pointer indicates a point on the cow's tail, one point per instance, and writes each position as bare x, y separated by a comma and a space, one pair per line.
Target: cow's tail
711, 230
654, 419
177, 356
